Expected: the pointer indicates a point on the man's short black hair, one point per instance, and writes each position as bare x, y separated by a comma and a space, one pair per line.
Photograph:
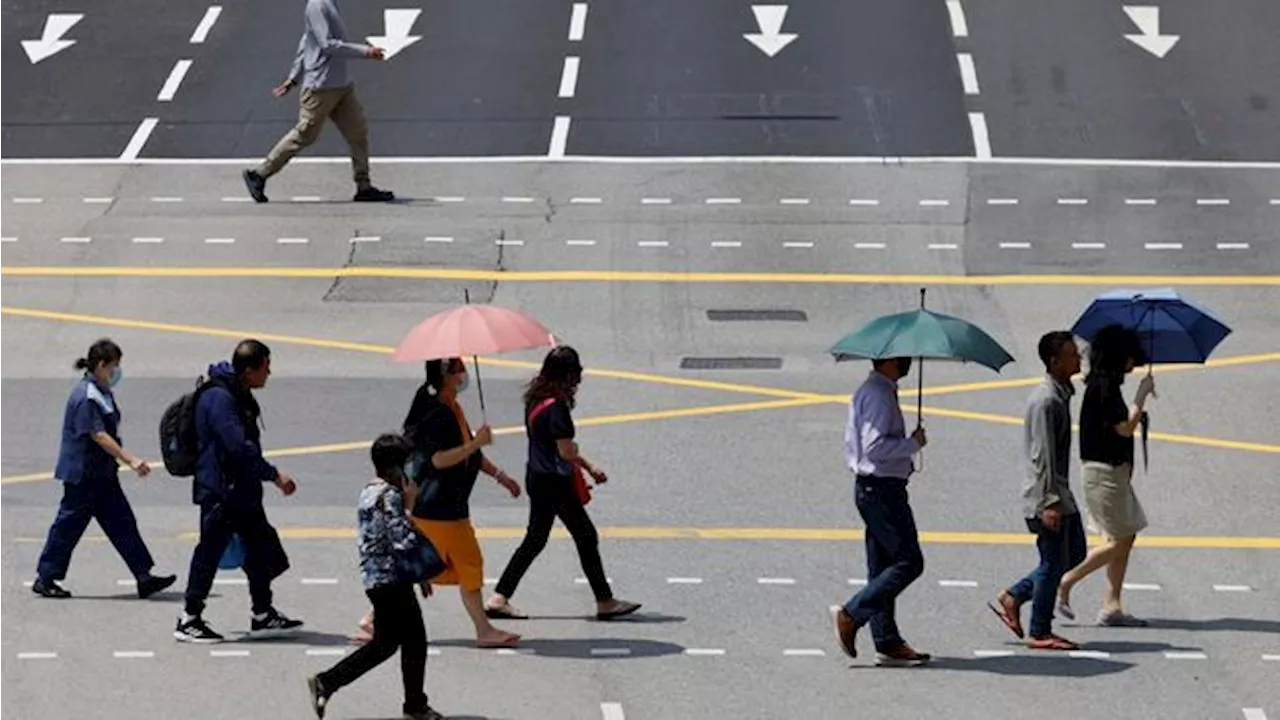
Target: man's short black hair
1051, 343
249, 355
389, 453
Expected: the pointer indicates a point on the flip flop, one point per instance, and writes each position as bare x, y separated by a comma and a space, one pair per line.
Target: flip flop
505, 612
1051, 642
624, 608
1012, 622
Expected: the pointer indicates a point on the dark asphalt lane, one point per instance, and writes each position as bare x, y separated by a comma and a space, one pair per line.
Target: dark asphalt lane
1060, 80
87, 100
481, 81
669, 77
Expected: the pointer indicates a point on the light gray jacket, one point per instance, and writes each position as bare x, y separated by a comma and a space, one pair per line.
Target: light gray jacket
1046, 445
323, 51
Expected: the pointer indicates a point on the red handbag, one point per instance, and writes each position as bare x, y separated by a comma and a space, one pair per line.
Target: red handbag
580, 486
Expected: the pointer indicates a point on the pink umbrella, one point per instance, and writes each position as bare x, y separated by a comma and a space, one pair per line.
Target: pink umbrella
472, 330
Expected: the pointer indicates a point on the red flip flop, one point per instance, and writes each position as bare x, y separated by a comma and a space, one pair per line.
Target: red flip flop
1051, 642
1011, 621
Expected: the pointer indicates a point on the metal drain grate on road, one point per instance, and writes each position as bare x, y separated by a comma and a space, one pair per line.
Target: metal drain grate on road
757, 316
731, 363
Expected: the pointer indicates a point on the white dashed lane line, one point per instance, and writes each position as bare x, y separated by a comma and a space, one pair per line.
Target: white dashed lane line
228, 653
968, 73
174, 81
1088, 246
655, 201
797, 245
612, 711
1270, 658
1232, 588
610, 652
981, 135
166, 199
569, 76
959, 26
804, 652
957, 583
776, 581
1140, 201
1015, 246
684, 581
857, 581
306, 198
148, 240
1185, 655
943, 246
578, 22
1073, 201
319, 581
518, 199
511, 243
1217, 202
8, 239
584, 581
793, 201
443, 239
97, 200
1233, 246
1089, 654
993, 653
1002, 201
723, 201
133, 654
726, 244
653, 244
704, 652
292, 241
585, 201
37, 655
934, 203
580, 243
1254, 714
77, 240
201, 32
1147, 587
365, 239
230, 581
220, 241
326, 652
559, 136
864, 202
28, 200
237, 199
869, 246
449, 199
1162, 246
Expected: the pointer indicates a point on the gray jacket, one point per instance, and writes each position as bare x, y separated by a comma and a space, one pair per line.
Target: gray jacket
323, 51
1046, 447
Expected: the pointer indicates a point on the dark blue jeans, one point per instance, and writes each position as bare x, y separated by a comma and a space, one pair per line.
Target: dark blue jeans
1059, 552
894, 560
100, 499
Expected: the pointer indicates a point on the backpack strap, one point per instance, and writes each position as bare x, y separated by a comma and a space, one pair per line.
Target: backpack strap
539, 409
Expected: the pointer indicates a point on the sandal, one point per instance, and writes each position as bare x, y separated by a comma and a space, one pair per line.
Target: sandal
622, 608
506, 611
1008, 617
1051, 642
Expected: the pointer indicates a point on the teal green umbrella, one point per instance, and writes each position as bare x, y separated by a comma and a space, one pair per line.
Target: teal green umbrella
923, 335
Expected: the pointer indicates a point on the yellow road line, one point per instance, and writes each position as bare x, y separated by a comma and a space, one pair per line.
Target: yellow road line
636, 276
784, 534
700, 411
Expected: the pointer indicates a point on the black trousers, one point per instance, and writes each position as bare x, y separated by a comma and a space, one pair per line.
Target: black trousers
264, 556
397, 624
552, 496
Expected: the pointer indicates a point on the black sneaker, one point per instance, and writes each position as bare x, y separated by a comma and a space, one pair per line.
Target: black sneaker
424, 714
273, 625
196, 630
49, 589
256, 185
373, 194
319, 698
152, 584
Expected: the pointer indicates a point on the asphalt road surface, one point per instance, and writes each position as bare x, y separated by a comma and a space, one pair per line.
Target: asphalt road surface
831, 164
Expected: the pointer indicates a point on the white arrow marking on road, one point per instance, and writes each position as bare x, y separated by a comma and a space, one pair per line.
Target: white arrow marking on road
1147, 18
770, 39
51, 42
399, 23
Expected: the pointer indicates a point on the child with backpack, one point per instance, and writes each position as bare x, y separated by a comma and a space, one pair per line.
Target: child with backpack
394, 558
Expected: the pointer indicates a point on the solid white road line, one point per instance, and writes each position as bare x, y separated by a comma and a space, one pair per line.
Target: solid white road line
1140, 201
704, 652
804, 652
578, 22
612, 711
365, 239
1073, 201
569, 76
206, 24
1090, 654
993, 653
133, 654
1163, 246
28, 200
1002, 201
580, 243
437, 239
1233, 246
776, 581
864, 202
968, 73
1212, 201
869, 246
1184, 655
959, 26
139, 139
1088, 246
170, 87
610, 652
934, 203
958, 583
981, 137
1149, 587
655, 201
148, 240
77, 240
97, 200
292, 241
319, 581
1254, 714
37, 655
1232, 588
1015, 246
684, 581
559, 137
228, 653
585, 201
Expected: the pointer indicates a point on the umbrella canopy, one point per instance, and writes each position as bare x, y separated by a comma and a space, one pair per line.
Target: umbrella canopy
472, 330
922, 334
1171, 329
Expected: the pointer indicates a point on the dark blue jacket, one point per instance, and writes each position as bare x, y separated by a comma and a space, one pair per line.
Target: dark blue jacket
229, 463
91, 409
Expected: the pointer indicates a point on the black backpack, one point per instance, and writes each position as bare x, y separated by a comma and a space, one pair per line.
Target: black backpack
178, 444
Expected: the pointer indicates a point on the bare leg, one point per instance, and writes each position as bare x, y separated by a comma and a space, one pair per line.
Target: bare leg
1097, 557
486, 634
1116, 569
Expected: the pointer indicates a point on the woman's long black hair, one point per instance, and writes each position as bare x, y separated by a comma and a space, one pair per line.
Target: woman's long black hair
428, 396
559, 378
1111, 350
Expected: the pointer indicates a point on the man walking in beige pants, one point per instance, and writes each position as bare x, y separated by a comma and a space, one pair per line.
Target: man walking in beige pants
327, 93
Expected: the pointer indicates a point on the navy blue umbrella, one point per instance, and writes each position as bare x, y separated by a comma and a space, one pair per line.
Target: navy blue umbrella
1172, 329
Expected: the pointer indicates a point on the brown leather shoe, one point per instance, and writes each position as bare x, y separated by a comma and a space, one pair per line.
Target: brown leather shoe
902, 656
846, 632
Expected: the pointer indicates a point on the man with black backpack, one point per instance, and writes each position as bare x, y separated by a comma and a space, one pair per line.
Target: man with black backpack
229, 473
